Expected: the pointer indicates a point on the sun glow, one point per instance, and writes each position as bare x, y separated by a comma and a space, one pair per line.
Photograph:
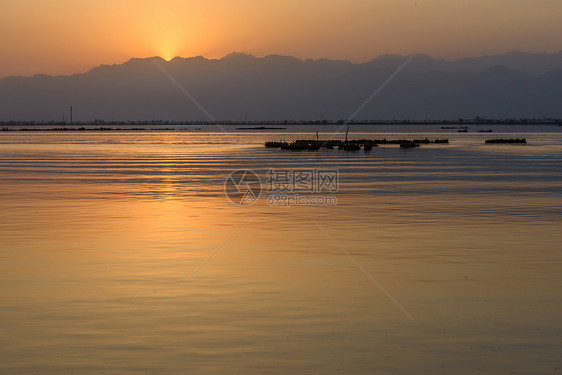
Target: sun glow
167, 45
62, 37
166, 54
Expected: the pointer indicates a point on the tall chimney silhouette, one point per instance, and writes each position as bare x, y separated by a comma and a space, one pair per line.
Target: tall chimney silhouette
71, 122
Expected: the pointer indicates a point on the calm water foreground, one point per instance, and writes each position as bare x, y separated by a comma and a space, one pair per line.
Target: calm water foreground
120, 254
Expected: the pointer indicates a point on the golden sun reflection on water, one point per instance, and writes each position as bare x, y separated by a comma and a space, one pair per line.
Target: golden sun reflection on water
98, 242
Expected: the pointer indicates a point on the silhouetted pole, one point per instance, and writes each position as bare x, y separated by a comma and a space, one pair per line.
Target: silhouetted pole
71, 122
347, 131
317, 136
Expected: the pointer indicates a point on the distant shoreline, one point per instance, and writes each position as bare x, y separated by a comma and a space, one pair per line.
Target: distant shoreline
256, 125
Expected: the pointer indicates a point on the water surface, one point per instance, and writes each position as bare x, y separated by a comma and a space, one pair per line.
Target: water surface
122, 255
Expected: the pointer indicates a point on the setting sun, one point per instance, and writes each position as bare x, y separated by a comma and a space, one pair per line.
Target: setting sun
167, 51
61, 37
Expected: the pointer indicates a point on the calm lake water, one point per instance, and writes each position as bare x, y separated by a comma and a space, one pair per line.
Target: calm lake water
121, 254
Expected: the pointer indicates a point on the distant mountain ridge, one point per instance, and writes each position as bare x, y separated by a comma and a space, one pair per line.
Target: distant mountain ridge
240, 86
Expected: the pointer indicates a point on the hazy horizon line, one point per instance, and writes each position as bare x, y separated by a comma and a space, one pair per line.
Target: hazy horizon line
450, 60
477, 120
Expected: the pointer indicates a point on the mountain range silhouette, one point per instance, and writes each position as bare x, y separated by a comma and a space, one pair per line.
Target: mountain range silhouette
243, 87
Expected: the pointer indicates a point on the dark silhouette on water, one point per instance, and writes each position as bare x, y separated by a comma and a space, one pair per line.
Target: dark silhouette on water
276, 144
409, 145
350, 145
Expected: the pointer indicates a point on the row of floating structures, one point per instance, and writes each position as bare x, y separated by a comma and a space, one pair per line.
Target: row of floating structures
369, 144
352, 145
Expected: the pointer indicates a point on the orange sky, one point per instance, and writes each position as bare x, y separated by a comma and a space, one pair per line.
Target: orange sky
67, 36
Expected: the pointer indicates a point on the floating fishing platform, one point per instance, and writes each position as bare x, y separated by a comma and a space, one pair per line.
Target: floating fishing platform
409, 145
353, 145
